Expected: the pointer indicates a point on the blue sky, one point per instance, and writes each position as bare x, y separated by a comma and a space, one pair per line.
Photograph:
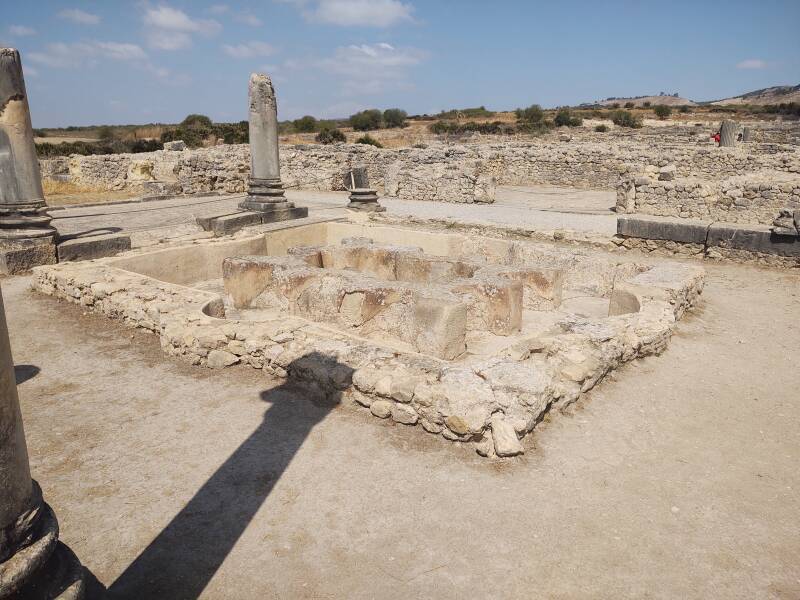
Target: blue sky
113, 61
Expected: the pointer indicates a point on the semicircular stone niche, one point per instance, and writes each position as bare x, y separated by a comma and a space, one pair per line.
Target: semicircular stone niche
474, 344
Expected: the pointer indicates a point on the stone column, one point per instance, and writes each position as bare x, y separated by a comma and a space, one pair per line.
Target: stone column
362, 197
26, 236
727, 133
33, 563
265, 190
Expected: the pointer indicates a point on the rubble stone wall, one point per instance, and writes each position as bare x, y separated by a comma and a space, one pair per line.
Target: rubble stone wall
755, 198
463, 173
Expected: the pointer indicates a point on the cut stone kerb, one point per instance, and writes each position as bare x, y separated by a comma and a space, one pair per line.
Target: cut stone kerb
22, 205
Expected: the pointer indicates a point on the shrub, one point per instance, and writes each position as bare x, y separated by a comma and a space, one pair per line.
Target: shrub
307, 124
662, 111
368, 139
196, 122
630, 104
330, 135
646, 104
601, 128
105, 133
496, 127
47, 150
615, 105
625, 118
394, 117
366, 120
684, 109
532, 114
470, 113
564, 118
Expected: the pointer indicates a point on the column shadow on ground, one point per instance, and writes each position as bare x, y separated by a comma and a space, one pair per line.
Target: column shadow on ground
183, 558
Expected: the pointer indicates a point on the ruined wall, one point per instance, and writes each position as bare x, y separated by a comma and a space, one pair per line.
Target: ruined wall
442, 172
752, 198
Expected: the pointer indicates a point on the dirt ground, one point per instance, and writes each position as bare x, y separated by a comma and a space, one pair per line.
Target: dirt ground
676, 478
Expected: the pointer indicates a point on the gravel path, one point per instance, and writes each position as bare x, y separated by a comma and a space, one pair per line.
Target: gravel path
545, 208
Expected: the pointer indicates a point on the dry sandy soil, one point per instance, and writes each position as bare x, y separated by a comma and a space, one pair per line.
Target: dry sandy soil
676, 478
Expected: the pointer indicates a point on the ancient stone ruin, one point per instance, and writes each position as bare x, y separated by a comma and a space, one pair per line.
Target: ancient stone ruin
473, 338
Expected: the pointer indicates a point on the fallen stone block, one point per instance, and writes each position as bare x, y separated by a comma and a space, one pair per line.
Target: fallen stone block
96, 246
687, 231
21, 255
752, 238
228, 224
285, 214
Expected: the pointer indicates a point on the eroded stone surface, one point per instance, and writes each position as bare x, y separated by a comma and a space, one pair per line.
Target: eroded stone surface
498, 386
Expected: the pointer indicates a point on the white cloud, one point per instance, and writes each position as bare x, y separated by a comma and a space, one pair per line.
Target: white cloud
218, 9
78, 16
368, 68
168, 40
359, 13
21, 31
78, 54
752, 63
168, 28
249, 19
172, 19
248, 50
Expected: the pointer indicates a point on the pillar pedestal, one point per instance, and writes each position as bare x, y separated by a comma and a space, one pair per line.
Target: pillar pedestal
27, 238
365, 200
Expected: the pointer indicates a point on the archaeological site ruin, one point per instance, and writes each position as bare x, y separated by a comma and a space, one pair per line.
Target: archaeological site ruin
471, 314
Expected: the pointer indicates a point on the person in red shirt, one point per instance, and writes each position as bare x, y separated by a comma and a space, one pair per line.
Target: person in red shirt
716, 137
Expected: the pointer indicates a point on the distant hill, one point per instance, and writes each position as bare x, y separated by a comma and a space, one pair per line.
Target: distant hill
771, 95
653, 100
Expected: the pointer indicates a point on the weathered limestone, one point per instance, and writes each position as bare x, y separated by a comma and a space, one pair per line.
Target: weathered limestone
362, 197
33, 563
265, 189
492, 395
26, 236
727, 134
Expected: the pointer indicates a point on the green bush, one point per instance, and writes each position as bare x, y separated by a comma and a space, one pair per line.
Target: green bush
307, 124
394, 117
368, 139
662, 111
469, 113
495, 127
330, 135
646, 104
366, 120
530, 115
615, 105
601, 128
625, 118
195, 121
48, 150
564, 118
629, 105
684, 109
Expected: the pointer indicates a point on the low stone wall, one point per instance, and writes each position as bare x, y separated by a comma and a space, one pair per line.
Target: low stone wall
442, 172
490, 401
755, 198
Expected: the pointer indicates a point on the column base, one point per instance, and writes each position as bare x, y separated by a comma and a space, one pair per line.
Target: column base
41, 567
365, 200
